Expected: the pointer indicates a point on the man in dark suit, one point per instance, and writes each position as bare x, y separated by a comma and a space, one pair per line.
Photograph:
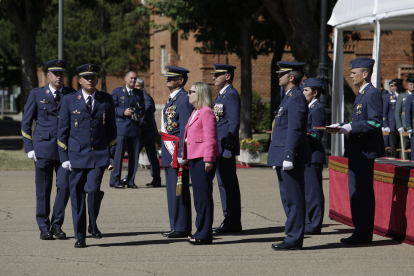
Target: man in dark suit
409, 111
43, 106
126, 98
227, 111
86, 139
365, 143
289, 153
388, 112
175, 115
149, 133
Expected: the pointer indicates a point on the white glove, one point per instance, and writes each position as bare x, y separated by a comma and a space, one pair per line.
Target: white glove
387, 129
401, 129
227, 154
287, 165
274, 167
345, 129
31, 155
334, 125
410, 131
66, 165
181, 161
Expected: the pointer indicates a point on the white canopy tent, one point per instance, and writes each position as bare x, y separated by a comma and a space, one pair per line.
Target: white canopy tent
352, 15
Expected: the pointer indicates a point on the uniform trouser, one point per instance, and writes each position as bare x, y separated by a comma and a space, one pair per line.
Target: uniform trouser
82, 182
229, 190
133, 154
149, 144
203, 197
292, 193
315, 200
361, 195
44, 178
179, 207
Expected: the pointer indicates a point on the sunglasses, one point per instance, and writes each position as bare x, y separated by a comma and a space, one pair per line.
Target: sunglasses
191, 92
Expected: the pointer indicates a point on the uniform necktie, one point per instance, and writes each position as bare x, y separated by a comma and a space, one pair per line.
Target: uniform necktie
89, 104
57, 98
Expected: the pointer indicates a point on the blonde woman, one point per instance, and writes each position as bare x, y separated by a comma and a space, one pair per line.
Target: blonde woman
201, 149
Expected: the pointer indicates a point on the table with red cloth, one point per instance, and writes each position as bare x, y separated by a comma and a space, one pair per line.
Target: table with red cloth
394, 197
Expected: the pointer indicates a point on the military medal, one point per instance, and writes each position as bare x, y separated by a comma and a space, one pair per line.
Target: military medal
76, 112
359, 109
279, 113
174, 124
123, 97
103, 122
44, 101
76, 122
169, 128
165, 124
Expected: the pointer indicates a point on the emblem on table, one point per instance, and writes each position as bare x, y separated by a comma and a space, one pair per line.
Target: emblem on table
103, 118
359, 109
174, 124
280, 111
79, 96
47, 91
76, 112
44, 101
76, 123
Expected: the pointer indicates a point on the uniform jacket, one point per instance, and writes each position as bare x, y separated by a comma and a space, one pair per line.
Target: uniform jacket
316, 117
41, 107
289, 141
366, 140
228, 124
87, 139
182, 111
409, 110
400, 110
148, 125
201, 136
388, 110
125, 125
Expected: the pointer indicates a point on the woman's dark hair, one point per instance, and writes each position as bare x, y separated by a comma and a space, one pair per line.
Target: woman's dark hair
319, 91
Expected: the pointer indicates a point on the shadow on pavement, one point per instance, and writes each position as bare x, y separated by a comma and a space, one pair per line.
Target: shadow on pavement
343, 245
256, 231
137, 243
127, 234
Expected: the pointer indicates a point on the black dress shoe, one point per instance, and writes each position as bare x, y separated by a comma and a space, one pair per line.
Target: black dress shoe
133, 186
220, 226
165, 234
97, 234
196, 241
355, 240
46, 235
124, 181
153, 184
119, 186
80, 243
311, 233
177, 234
59, 233
284, 246
228, 229
90, 229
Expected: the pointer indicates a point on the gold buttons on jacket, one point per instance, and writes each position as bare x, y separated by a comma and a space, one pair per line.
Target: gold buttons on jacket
91, 148
188, 143
91, 139
91, 128
91, 119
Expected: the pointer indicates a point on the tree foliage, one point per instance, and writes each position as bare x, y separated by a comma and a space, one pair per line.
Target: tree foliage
110, 33
9, 54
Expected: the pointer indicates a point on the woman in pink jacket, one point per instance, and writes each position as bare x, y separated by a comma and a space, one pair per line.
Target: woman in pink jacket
201, 149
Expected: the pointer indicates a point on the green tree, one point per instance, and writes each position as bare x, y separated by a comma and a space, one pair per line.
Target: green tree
26, 16
111, 33
228, 26
9, 54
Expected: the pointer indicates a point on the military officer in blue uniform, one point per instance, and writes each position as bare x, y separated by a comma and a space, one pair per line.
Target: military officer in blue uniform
409, 111
315, 200
127, 98
289, 153
227, 111
175, 116
87, 139
388, 111
43, 106
365, 143
149, 133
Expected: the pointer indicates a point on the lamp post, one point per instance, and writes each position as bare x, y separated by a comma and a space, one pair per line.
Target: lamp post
323, 74
60, 39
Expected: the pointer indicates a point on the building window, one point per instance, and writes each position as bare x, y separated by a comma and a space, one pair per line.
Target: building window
163, 59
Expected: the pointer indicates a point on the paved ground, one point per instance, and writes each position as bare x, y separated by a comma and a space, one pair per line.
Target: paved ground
132, 220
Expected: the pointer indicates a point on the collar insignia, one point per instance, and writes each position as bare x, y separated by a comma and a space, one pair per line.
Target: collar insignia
47, 91
79, 96
363, 92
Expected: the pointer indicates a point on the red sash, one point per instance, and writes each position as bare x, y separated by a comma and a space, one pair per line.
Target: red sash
169, 137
